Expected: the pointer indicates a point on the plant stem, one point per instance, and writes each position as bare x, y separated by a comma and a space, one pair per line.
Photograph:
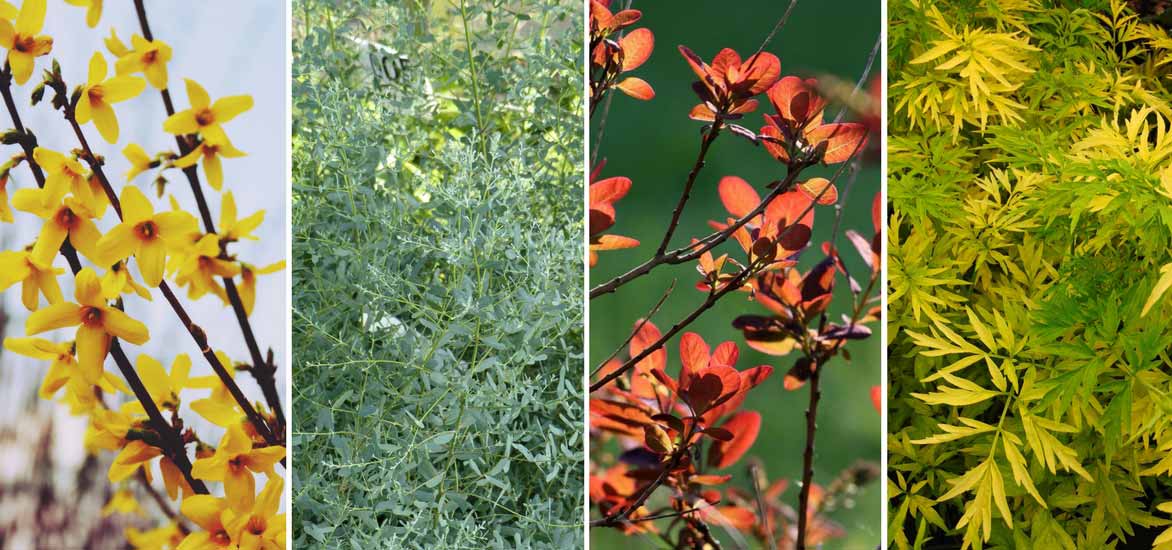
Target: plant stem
197, 333
808, 457
710, 301
705, 144
475, 80
264, 371
174, 447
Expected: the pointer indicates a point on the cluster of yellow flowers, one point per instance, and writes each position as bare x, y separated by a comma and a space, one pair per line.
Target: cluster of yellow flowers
70, 206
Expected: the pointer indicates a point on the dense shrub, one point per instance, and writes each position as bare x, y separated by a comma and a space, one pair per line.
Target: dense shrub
1030, 182
438, 278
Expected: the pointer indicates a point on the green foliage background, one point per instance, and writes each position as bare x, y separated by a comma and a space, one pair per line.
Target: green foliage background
1026, 388
654, 143
437, 278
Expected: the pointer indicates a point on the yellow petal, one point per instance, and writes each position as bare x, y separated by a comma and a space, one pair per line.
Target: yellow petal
31, 18
88, 289
121, 88
22, 65
239, 488
152, 258
37, 348
181, 123
204, 511
48, 243
121, 325
189, 159
53, 317
196, 95
92, 346
156, 74
226, 108
118, 244
84, 237
136, 207
7, 33
97, 69
13, 268
57, 376
105, 121
214, 172
262, 460
269, 499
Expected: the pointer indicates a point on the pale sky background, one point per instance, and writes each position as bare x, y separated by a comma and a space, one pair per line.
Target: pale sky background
229, 47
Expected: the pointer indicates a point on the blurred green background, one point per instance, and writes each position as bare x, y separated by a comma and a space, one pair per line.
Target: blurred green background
655, 144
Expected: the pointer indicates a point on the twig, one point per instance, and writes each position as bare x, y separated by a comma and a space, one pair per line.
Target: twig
197, 333
162, 502
705, 143
264, 371
475, 84
638, 327
173, 447
767, 525
808, 456
710, 301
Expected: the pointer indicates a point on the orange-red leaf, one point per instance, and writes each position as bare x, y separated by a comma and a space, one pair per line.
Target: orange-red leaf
820, 189
609, 189
613, 242
702, 112
637, 46
648, 334
842, 140
762, 72
726, 354
744, 426
797, 100
738, 196
637, 88
694, 354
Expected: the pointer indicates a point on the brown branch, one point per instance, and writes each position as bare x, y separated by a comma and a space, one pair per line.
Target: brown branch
173, 445
638, 327
264, 371
197, 333
162, 503
705, 144
808, 456
710, 301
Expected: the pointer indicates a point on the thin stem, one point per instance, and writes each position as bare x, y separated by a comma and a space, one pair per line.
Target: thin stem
197, 333
646, 319
162, 502
173, 445
710, 301
264, 371
808, 456
705, 144
475, 79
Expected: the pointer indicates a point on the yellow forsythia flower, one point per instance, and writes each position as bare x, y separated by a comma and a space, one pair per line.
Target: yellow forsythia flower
248, 286
233, 229
210, 150
93, 12
139, 161
35, 278
117, 281
5, 210
165, 536
234, 463
261, 527
99, 93
207, 512
66, 175
97, 322
148, 57
146, 235
123, 502
62, 366
23, 43
204, 116
68, 217
199, 266
164, 388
